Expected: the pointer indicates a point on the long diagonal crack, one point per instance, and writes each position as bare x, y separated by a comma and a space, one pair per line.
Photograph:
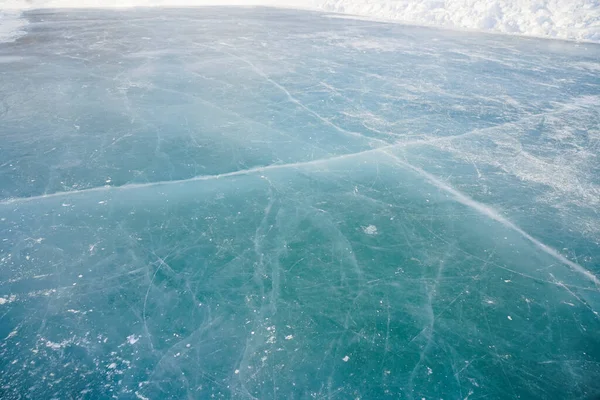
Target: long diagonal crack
258, 169
242, 172
493, 214
458, 196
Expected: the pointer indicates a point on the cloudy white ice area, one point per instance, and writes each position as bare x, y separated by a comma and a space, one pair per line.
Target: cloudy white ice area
12, 24
263, 203
560, 19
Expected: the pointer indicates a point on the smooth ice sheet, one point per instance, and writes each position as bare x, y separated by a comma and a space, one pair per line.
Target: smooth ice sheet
251, 203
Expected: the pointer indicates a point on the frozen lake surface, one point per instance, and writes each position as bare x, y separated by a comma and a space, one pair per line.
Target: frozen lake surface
252, 203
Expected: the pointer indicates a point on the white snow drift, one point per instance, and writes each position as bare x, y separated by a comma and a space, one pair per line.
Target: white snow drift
560, 19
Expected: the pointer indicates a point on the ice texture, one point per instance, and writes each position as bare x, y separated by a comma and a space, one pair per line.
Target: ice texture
560, 19
259, 204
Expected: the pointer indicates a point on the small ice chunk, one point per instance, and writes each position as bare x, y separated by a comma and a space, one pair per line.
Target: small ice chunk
139, 396
237, 371
13, 333
370, 230
289, 337
509, 317
345, 359
131, 339
112, 366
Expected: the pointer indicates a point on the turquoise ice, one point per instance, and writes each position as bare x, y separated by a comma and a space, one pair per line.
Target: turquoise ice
256, 203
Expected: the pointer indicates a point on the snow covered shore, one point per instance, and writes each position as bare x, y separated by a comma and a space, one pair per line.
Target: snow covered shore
560, 19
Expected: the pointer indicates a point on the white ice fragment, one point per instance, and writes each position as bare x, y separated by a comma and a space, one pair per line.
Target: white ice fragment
80, 276
10, 299
237, 371
429, 371
112, 366
139, 396
54, 346
289, 337
13, 333
509, 317
131, 339
370, 230
345, 359
188, 345
507, 280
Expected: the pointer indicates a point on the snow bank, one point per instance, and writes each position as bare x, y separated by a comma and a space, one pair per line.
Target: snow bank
561, 19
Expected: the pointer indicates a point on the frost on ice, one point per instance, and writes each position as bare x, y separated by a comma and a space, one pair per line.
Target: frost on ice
370, 230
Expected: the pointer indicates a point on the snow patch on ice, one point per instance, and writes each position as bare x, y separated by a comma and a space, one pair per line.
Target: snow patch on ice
9, 299
132, 339
370, 230
57, 346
